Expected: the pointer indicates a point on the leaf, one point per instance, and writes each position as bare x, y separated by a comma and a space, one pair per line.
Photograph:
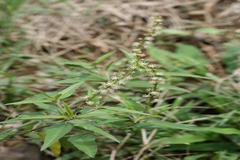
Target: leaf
191, 52
102, 58
38, 117
56, 148
69, 90
68, 110
85, 143
103, 116
40, 98
54, 133
78, 63
212, 146
47, 107
175, 32
138, 84
86, 125
116, 65
180, 139
163, 56
124, 110
31, 117
170, 125
72, 155
130, 104
69, 81
173, 88
13, 120
192, 56
177, 74
185, 57
230, 55
177, 103
195, 157
213, 31
15, 4
7, 134
127, 54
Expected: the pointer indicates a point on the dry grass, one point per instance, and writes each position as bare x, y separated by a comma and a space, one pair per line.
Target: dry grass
110, 24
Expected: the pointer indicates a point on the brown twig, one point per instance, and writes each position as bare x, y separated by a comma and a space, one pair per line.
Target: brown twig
114, 151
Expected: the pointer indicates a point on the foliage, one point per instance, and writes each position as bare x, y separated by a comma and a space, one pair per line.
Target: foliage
163, 106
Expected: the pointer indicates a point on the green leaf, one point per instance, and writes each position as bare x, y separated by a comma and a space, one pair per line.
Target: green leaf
85, 143
40, 98
138, 84
185, 57
103, 115
192, 57
230, 55
163, 56
56, 148
7, 134
69, 81
177, 74
38, 117
86, 125
180, 139
102, 58
116, 65
124, 110
131, 104
78, 63
47, 107
195, 157
192, 52
213, 31
69, 90
15, 4
175, 32
127, 54
68, 110
13, 120
31, 117
170, 125
54, 133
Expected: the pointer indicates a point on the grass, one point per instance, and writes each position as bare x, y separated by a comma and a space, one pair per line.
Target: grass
192, 114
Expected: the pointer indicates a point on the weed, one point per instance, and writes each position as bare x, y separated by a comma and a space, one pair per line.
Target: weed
151, 104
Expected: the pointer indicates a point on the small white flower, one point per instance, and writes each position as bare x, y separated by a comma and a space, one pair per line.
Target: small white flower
136, 50
122, 82
141, 55
128, 77
133, 67
152, 82
104, 91
157, 29
146, 95
90, 103
85, 97
143, 63
154, 78
147, 44
158, 20
136, 44
159, 74
154, 93
109, 84
114, 78
152, 65
115, 87
148, 39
